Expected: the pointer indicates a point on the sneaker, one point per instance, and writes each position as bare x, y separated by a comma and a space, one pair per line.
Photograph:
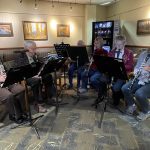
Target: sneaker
16, 120
41, 109
81, 90
143, 116
131, 109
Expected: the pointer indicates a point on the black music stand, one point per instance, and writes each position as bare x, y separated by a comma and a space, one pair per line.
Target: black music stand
79, 55
62, 51
113, 68
53, 66
19, 74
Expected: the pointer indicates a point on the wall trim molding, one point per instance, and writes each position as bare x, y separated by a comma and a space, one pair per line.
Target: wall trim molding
138, 46
15, 48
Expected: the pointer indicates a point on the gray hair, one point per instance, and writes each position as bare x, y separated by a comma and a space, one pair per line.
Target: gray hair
120, 38
80, 43
28, 44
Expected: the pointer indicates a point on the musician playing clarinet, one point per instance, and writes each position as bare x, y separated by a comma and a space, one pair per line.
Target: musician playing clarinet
120, 52
139, 87
92, 72
31, 57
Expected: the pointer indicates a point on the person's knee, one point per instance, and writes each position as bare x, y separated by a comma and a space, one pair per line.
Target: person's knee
139, 95
124, 89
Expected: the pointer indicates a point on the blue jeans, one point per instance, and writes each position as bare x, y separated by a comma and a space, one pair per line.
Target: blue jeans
71, 71
94, 76
142, 93
117, 85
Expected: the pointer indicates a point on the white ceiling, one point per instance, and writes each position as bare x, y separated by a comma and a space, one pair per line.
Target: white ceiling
82, 1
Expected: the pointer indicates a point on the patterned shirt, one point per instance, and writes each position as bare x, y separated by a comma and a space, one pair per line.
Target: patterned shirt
144, 76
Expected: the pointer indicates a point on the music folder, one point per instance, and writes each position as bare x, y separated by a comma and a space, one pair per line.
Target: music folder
18, 74
80, 52
112, 66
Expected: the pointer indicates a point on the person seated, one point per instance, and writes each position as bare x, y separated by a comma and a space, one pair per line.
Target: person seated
92, 72
15, 98
30, 57
120, 52
72, 68
139, 87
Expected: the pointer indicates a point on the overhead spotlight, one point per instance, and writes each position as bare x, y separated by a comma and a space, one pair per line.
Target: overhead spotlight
70, 7
35, 5
53, 4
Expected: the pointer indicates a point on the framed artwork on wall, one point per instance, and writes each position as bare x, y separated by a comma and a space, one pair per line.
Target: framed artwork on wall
143, 27
35, 30
6, 30
63, 30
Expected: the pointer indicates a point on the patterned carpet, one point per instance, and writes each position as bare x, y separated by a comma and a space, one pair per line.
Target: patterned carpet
76, 128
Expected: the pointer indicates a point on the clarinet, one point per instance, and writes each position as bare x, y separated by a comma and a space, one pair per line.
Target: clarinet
138, 72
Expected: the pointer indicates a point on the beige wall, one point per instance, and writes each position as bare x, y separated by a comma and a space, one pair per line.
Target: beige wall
128, 12
14, 12
80, 20
100, 13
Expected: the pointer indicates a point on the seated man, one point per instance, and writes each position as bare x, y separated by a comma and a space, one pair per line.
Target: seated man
15, 98
139, 87
30, 57
120, 52
92, 73
73, 67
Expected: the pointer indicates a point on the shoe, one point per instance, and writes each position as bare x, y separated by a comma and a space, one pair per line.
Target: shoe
41, 109
82, 90
131, 109
25, 117
13, 118
52, 101
143, 116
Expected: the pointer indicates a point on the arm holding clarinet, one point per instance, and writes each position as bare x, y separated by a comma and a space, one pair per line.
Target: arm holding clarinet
139, 87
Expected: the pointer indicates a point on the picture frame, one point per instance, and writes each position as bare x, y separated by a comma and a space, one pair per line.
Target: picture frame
6, 30
35, 30
143, 27
63, 30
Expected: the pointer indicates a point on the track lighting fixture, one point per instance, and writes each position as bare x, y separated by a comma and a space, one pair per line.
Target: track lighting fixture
70, 7
53, 4
35, 5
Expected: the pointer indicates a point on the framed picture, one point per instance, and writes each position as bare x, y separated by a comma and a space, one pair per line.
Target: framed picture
143, 27
35, 30
6, 30
63, 30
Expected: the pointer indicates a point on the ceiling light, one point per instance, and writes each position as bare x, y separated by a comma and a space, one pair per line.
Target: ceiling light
70, 7
106, 3
35, 5
53, 4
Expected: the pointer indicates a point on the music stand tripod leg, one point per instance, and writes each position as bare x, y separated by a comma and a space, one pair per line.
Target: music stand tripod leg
31, 120
104, 102
55, 81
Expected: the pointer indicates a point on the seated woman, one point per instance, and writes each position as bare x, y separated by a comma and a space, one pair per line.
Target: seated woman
139, 87
92, 73
15, 98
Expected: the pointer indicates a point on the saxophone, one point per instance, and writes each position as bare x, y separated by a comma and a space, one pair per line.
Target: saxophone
139, 72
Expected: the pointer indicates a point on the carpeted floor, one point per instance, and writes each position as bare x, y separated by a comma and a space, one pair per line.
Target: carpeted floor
76, 128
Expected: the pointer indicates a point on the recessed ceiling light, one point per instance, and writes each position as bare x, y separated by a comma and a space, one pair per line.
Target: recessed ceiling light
105, 3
